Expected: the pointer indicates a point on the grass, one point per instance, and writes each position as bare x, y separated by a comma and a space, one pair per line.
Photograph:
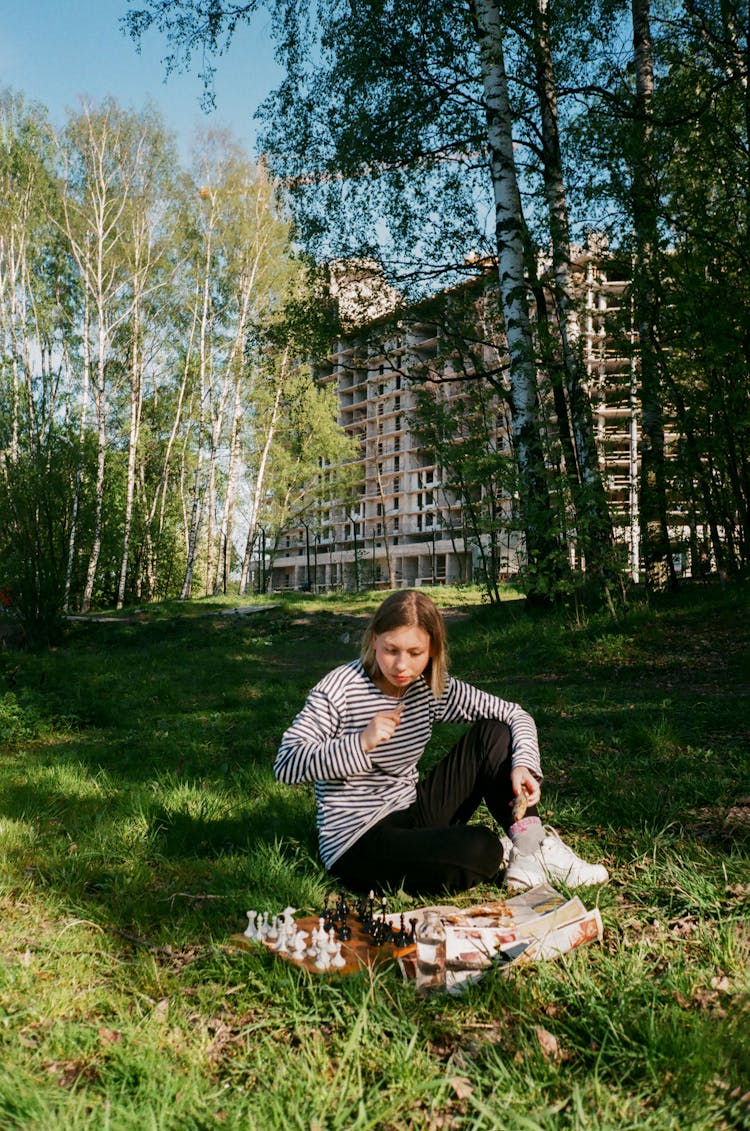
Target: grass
139, 819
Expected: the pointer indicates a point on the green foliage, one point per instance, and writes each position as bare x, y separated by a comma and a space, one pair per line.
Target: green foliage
35, 495
466, 433
17, 723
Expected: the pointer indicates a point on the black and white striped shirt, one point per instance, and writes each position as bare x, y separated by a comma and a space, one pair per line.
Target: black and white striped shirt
353, 789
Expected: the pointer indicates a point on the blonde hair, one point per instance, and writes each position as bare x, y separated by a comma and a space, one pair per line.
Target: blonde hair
408, 608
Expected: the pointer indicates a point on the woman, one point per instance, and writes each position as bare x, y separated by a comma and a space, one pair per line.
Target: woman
359, 738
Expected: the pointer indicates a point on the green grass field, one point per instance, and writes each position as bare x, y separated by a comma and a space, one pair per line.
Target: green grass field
139, 820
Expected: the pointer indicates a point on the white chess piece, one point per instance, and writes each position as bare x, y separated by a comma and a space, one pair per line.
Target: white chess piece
323, 961
250, 931
337, 958
299, 945
314, 946
282, 942
273, 930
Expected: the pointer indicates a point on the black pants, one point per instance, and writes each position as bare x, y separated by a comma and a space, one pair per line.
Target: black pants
429, 846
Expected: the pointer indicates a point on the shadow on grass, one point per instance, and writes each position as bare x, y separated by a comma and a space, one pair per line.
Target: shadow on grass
158, 808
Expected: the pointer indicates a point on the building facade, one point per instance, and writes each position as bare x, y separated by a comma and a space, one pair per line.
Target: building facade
405, 526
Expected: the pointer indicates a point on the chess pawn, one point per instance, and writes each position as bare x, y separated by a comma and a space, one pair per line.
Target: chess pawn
337, 958
323, 960
263, 927
330, 943
299, 945
282, 942
272, 932
250, 931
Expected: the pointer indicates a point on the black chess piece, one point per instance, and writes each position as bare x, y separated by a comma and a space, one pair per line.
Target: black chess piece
382, 931
343, 930
401, 937
368, 918
329, 917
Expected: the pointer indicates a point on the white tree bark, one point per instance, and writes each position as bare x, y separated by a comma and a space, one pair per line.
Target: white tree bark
260, 477
511, 270
98, 174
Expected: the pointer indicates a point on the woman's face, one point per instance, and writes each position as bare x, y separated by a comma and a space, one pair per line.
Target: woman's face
402, 655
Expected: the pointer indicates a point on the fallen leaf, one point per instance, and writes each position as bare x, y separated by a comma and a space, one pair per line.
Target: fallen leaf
462, 1086
684, 927
161, 1009
548, 1043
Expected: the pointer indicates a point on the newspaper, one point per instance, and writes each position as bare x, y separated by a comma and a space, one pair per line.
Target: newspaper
537, 925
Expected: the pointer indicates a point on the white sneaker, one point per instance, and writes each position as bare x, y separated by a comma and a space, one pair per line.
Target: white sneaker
553, 860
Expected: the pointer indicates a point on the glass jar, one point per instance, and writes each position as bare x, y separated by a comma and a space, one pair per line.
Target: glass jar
430, 940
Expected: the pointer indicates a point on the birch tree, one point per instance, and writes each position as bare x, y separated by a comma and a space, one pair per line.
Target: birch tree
147, 239
37, 300
239, 256
36, 305
543, 553
100, 158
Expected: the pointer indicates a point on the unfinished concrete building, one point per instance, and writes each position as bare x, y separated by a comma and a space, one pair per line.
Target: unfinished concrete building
406, 527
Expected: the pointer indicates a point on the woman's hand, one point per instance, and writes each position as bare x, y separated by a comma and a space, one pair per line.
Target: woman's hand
523, 781
380, 728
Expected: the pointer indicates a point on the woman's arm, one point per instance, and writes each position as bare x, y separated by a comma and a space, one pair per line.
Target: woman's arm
313, 749
462, 702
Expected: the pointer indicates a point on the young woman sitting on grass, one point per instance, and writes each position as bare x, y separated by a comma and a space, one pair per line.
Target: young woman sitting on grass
359, 738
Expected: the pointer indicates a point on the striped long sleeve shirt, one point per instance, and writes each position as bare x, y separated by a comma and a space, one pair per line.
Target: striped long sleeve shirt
354, 789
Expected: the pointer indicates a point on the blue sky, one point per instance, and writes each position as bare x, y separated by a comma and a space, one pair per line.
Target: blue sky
55, 51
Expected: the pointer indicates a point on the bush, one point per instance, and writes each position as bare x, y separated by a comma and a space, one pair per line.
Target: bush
35, 495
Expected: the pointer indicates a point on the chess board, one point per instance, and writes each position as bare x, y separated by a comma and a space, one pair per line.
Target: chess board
359, 951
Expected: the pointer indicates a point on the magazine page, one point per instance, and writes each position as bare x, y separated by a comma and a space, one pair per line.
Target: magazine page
535, 925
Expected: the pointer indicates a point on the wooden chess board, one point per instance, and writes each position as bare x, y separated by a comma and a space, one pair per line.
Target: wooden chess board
359, 951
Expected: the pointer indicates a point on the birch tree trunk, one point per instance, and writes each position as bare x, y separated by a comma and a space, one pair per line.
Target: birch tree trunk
260, 477
147, 278
542, 549
82, 426
224, 555
136, 405
100, 408
98, 171
198, 487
